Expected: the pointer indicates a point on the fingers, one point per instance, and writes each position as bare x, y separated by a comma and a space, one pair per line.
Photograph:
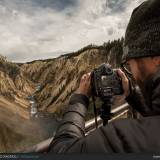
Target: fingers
84, 86
86, 77
125, 82
122, 75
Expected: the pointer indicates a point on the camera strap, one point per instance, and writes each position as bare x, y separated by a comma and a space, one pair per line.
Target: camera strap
95, 111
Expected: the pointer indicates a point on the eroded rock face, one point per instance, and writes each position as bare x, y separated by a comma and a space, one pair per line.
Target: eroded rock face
59, 77
51, 82
17, 133
8, 138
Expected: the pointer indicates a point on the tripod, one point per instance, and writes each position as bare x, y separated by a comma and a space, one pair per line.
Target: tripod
105, 111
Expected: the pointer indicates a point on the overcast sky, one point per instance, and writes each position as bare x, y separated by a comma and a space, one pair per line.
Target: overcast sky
40, 29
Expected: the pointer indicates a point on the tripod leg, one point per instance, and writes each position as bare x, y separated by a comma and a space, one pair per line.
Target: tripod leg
106, 112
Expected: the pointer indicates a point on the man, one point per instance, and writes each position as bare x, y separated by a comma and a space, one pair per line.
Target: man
142, 55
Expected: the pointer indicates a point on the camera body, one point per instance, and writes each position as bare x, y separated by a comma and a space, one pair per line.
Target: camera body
105, 82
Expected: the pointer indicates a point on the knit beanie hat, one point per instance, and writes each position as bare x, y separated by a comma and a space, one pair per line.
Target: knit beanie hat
142, 38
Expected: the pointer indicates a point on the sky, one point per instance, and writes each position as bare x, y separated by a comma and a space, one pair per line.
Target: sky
41, 29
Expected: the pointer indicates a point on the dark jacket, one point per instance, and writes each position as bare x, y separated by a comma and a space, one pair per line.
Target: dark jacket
121, 136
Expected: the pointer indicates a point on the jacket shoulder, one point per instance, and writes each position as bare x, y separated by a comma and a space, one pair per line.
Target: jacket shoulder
122, 136
132, 135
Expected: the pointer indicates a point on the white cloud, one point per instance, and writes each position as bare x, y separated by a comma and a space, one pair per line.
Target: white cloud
33, 32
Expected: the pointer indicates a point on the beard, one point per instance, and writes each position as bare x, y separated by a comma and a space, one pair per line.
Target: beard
146, 85
146, 90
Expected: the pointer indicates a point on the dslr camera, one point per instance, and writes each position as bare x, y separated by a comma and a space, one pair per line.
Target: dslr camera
105, 82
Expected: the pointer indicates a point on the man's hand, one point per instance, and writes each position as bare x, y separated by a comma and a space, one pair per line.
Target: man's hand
125, 83
85, 85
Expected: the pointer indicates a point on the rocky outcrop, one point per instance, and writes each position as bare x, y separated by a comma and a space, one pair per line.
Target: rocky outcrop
14, 86
51, 82
58, 78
